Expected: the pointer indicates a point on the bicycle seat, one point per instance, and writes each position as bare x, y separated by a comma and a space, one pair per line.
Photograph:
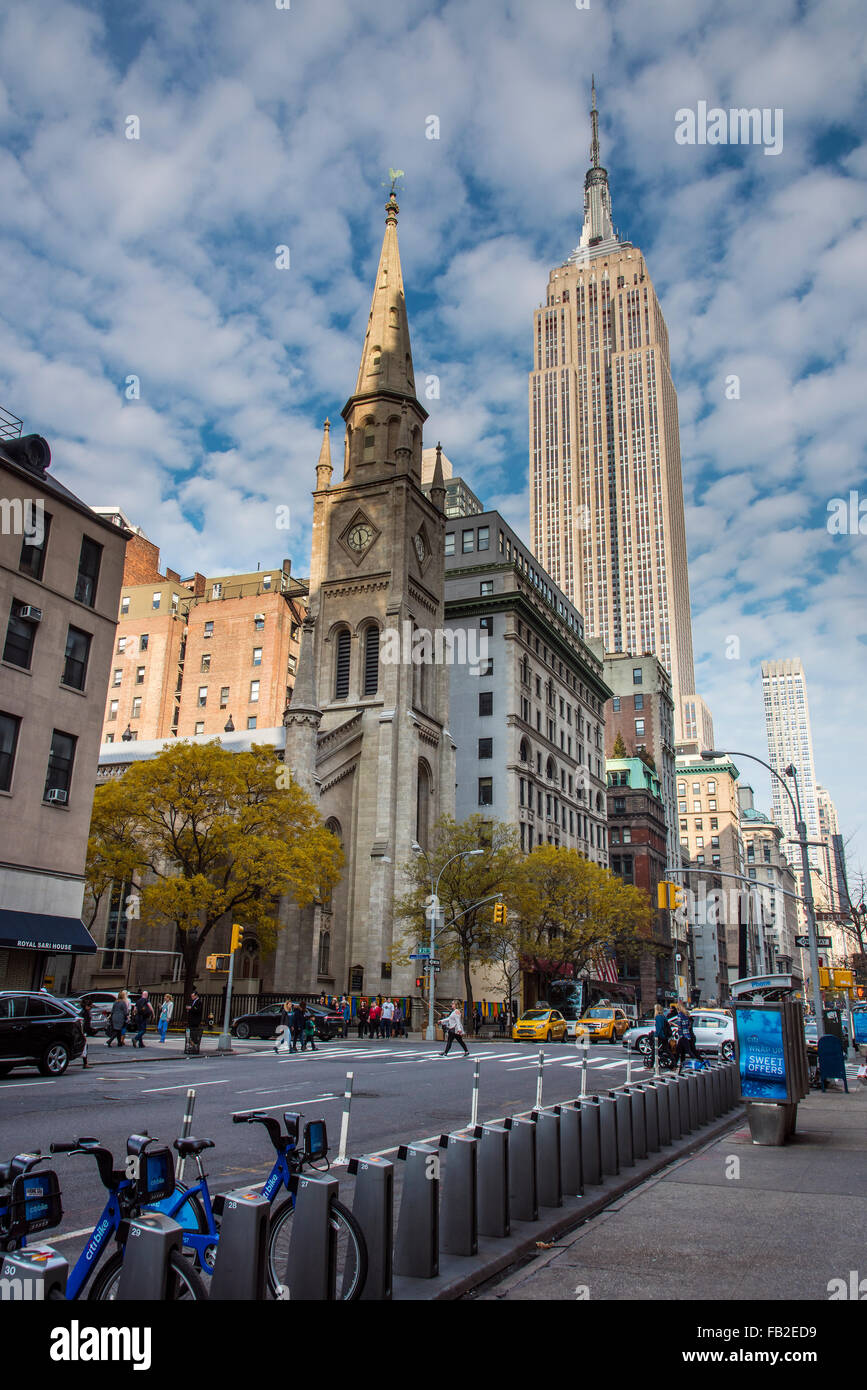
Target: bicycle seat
188, 1147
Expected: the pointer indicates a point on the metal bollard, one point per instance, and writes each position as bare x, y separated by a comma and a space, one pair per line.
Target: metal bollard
523, 1198
651, 1117
690, 1092
549, 1183
493, 1189
679, 1108
716, 1090
623, 1112
145, 1271
242, 1250
373, 1209
416, 1249
342, 1159
591, 1167
663, 1112
570, 1149
459, 1218
311, 1265
186, 1131
704, 1097
35, 1273
474, 1107
639, 1121
608, 1154
584, 1071
540, 1076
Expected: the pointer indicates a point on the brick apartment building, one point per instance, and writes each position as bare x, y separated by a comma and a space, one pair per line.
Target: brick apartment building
637, 854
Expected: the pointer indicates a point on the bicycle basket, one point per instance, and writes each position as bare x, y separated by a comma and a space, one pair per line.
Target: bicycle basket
156, 1176
34, 1204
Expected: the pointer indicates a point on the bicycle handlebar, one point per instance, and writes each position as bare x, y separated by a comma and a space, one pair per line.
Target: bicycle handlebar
109, 1177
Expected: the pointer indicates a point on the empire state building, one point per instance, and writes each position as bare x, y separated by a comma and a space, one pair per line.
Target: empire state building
606, 493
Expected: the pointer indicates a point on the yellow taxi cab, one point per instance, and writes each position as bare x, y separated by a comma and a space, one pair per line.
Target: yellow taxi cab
602, 1023
539, 1025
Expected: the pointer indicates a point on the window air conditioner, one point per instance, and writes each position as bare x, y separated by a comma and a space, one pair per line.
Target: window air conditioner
57, 794
30, 613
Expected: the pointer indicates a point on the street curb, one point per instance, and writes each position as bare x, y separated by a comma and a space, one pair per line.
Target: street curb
455, 1280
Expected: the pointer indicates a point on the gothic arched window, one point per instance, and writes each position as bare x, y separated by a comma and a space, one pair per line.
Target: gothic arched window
422, 804
325, 953
371, 660
342, 651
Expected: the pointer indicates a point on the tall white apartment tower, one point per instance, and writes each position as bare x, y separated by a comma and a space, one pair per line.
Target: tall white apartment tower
606, 493
787, 717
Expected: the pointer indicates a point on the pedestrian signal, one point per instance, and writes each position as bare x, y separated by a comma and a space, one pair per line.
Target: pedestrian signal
419, 981
237, 937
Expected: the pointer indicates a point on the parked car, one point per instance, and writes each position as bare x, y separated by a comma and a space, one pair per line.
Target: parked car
714, 1032
637, 1038
265, 1021
38, 1030
603, 1024
100, 1012
540, 1025
811, 1032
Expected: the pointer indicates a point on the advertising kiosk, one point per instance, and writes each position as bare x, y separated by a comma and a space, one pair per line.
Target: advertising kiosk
771, 1053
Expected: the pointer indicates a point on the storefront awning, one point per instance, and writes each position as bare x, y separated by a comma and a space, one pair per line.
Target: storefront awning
39, 931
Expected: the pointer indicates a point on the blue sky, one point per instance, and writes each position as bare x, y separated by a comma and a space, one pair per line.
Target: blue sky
262, 127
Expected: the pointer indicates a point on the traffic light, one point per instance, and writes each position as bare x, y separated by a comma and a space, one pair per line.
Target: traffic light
500, 913
237, 937
669, 896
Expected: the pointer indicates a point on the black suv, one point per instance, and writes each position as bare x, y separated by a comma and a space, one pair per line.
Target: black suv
37, 1030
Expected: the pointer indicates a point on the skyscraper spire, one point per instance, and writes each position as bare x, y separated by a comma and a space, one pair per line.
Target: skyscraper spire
386, 358
598, 221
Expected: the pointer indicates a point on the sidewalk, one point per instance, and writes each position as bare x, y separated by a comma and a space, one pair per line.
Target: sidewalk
735, 1221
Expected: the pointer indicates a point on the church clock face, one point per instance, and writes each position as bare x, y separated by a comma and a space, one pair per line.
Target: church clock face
419, 548
360, 536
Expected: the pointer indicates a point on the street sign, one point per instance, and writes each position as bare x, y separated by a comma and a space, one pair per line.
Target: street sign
435, 966
420, 951
820, 941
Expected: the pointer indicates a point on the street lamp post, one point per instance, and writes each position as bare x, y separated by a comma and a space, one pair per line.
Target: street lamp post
801, 831
433, 911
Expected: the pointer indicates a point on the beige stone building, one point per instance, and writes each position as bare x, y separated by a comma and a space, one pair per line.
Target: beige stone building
60, 574
606, 491
766, 864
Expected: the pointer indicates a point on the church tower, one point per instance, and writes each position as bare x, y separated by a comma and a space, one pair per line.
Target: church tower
367, 729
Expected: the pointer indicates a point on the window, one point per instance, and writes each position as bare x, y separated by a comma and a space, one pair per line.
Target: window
639, 728
627, 835
712, 804
109, 738
467, 542
156, 601
32, 560
60, 761
224, 696
9, 726
203, 696
143, 642
711, 787
259, 625
486, 791
615, 704
714, 823
136, 707
699, 859
124, 606
699, 824
639, 702
371, 660
20, 637
486, 750
112, 709
174, 603
209, 629
683, 825
89, 561
486, 588
251, 721
140, 675
76, 658
486, 668
637, 677
696, 788
486, 702
714, 840
696, 806
117, 676
341, 673
266, 581
483, 537
766, 850
681, 789
450, 543
216, 591
486, 625
291, 664
121, 646
257, 656
200, 726
254, 692
206, 661
699, 840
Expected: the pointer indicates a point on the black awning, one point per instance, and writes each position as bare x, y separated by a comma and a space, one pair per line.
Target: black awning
39, 931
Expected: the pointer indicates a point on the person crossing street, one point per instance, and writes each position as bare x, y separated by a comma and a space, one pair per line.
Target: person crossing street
453, 1026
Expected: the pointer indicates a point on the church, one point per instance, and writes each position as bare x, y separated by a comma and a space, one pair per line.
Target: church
367, 735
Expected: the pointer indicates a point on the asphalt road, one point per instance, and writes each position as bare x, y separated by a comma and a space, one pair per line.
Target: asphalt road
403, 1092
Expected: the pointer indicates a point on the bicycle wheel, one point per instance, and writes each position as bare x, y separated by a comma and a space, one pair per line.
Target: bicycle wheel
183, 1281
190, 1215
351, 1259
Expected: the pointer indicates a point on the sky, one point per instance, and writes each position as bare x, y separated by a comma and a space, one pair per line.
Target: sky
181, 365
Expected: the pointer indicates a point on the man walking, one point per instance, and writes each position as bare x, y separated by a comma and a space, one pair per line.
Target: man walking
387, 1018
117, 1019
397, 1021
346, 1015
373, 1018
296, 1024
195, 1010
143, 1014
453, 1025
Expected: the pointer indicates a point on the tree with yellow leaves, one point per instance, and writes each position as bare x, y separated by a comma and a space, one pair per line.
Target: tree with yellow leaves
211, 835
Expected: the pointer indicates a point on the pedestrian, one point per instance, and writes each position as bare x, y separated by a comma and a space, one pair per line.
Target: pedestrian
283, 1027
387, 1018
296, 1023
661, 1035
86, 1019
117, 1019
501, 1020
309, 1033
346, 1015
363, 1016
374, 1017
686, 1040
453, 1026
477, 1021
397, 1021
195, 1010
143, 1014
167, 1009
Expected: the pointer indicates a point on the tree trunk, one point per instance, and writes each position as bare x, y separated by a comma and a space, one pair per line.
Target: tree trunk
468, 986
